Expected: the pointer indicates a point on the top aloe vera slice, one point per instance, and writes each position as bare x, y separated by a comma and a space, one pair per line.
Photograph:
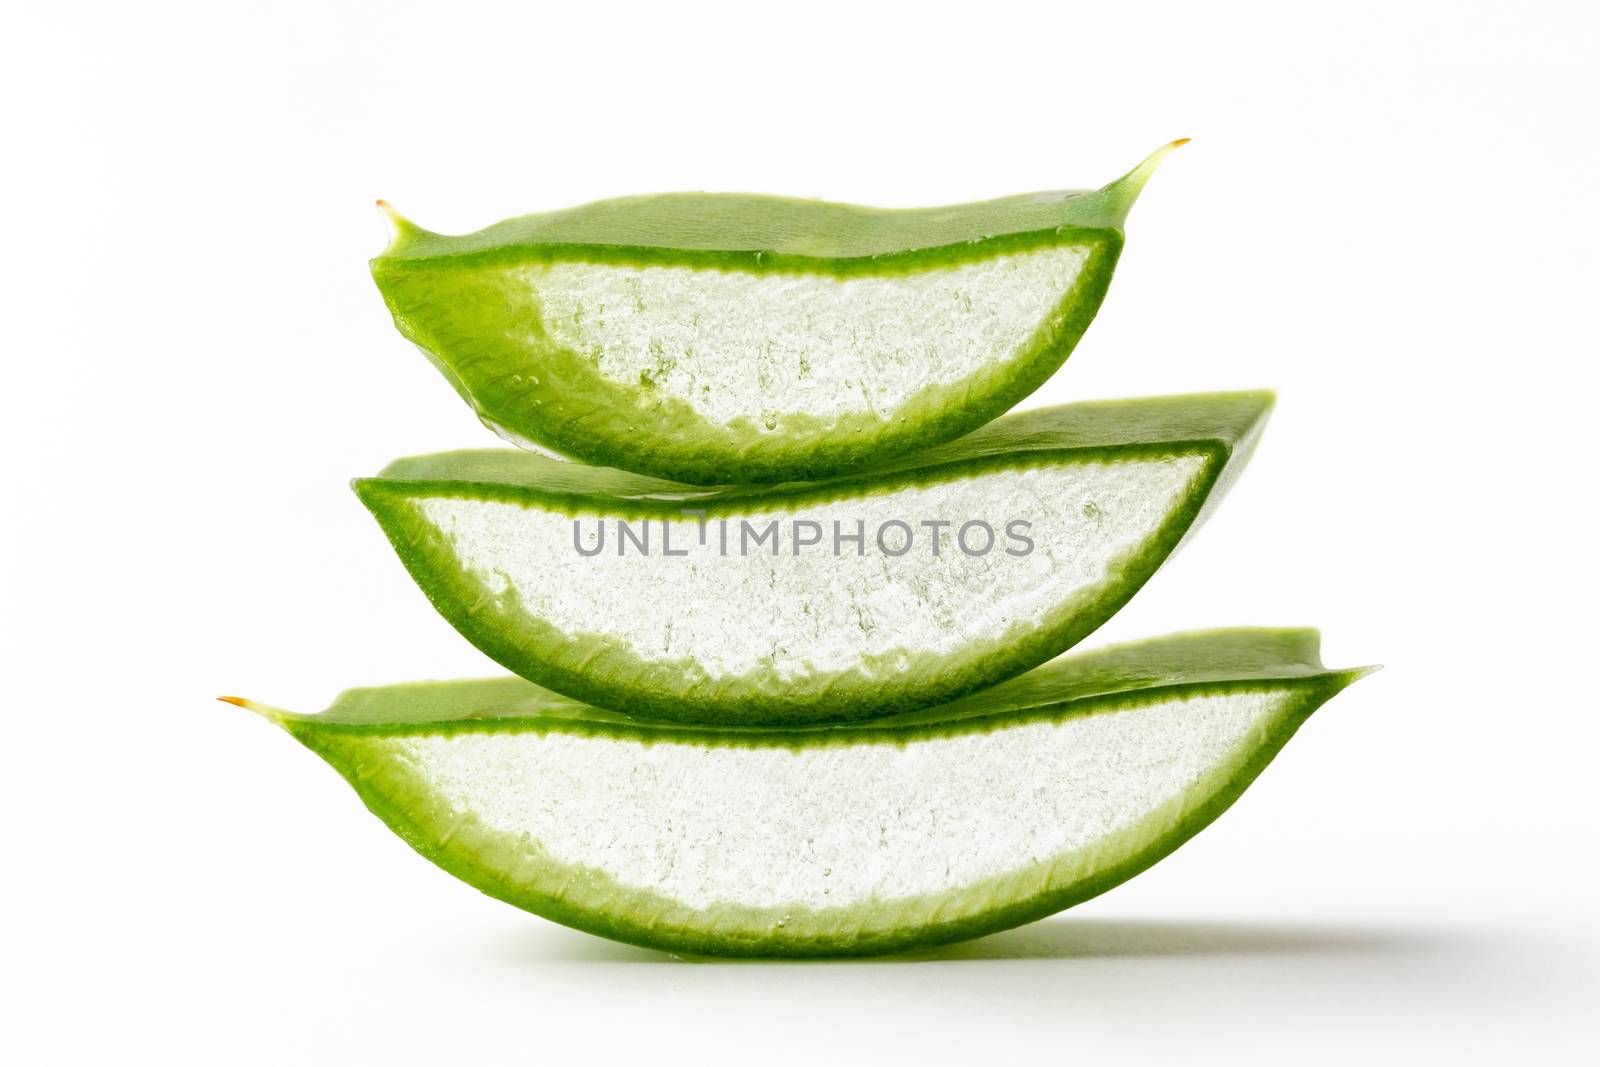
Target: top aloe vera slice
835, 600
996, 810
727, 338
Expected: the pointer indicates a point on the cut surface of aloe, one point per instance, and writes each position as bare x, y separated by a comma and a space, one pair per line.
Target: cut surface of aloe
728, 338
911, 831
812, 602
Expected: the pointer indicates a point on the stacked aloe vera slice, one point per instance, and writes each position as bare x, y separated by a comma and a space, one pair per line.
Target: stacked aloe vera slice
786, 626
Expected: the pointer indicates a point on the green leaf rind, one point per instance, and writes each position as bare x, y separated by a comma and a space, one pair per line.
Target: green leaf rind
755, 232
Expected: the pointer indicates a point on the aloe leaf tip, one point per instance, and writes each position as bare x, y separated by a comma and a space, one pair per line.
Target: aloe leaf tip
276, 716
1119, 197
401, 229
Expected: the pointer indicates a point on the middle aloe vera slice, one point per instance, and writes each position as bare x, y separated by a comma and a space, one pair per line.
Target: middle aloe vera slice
716, 338
822, 601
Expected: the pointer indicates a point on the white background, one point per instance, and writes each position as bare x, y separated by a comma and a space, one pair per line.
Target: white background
1387, 214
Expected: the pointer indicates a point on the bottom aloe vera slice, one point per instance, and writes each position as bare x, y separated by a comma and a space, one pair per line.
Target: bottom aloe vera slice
910, 831
824, 601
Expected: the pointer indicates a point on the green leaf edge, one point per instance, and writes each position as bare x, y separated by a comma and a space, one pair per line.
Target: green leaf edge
1221, 427
1314, 685
758, 232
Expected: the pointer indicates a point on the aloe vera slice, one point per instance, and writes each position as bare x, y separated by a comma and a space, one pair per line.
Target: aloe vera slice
991, 812
722, 338
811, 602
